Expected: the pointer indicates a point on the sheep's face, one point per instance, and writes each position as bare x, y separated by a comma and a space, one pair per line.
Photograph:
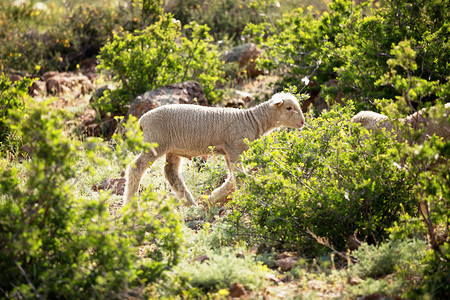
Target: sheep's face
290, 113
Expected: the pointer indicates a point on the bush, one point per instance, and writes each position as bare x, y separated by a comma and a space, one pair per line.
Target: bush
12, 98
353, 43
224, 265
154, 57
391, 256
430, 169
55, 38
327, 179
223, 269
56, 245
228, 18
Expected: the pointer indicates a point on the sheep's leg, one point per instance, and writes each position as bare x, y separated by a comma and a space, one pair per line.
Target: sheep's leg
227, 187
134, 174
172, 173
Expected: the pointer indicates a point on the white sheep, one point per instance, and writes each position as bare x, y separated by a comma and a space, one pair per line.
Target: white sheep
371, 120
183, 130
422, 119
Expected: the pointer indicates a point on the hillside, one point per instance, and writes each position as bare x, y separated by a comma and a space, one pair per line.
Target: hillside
335, 210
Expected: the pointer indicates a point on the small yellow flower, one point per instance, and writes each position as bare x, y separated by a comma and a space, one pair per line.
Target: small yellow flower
223, 292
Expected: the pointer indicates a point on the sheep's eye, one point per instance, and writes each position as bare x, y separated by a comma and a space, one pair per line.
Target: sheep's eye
289, 108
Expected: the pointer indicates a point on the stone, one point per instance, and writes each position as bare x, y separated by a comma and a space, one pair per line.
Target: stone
117, 185
244, 96
286, 261
189, 92
105, 129
38, 87
317, 101
352, 242
235, 103
237, 290
201, 258
245, 55
15, 77
99, 104
57, 83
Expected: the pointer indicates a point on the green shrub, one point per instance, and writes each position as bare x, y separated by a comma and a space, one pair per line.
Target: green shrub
388, 267
353, 43
12, 98
228, 18
326, 178
57, 38
151, 58
430, 167
386, 258
56, 245
380, 287
222, 269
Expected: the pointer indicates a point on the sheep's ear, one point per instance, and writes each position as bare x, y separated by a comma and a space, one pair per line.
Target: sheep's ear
277, 103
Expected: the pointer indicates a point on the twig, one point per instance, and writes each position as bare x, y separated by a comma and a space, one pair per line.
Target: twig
324, 241
27, 279
423, 209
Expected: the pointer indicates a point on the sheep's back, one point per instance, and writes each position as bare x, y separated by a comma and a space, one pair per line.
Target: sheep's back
369, 119
190, 127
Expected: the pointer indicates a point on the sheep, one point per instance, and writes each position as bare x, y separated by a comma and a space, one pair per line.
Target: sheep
186, 130
423, 118
372, 120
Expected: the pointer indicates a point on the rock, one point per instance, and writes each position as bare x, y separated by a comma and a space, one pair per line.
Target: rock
286, 255
99, 105
88, 65
246, 56
38, 87
235, 103
286, 260
254, 249
98, 93
377, 296
286, 264
237, 290
241, 100
105, 129
88, 116
316, 99
272, 278
46, 76
15, 77
352, 242
57, 83
189, 92
117, 185
201, 258
244, 96
355, 281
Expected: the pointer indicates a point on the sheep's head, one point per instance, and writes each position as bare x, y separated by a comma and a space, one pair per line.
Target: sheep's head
290, 113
